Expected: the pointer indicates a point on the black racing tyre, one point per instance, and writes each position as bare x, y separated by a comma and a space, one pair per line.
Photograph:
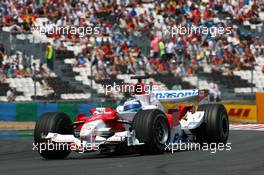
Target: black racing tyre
215, 128
151, 128
55, 122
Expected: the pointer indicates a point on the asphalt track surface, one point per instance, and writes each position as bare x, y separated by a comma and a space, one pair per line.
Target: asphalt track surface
245, 158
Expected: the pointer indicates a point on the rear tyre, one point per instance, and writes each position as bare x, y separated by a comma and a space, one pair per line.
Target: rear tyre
152, 129
215, 128
57, 123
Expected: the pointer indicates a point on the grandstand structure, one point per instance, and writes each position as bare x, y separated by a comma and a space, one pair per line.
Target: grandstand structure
131, 52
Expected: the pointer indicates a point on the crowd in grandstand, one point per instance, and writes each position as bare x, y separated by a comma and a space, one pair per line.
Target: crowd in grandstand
11, 66
15, 66
120, 21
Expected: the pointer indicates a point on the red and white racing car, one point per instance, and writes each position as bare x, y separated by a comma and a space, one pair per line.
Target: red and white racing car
141, 123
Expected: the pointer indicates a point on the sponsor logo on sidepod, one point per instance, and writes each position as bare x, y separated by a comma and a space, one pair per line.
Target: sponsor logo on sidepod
175, 94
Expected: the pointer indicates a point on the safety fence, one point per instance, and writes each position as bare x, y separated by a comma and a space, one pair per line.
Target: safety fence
247, 113
242, 113
32, 111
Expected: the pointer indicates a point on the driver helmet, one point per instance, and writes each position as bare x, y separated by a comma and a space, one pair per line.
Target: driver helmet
132, 105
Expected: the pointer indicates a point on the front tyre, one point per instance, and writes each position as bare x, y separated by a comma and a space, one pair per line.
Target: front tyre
57, 123
151, 128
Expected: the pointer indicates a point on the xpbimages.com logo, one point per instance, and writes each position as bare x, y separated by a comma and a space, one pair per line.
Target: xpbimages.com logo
68, 30
214, 31
52, 146
191, 146
131, 88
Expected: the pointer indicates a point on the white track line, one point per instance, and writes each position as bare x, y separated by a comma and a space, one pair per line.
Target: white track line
252, 127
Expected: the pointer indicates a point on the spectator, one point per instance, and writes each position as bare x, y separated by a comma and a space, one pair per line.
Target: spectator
155, 46
9, 70
1, 58
50, 51
24, 71
2, 75
215, 91
10, 95
43, 71
81, 61
180, 71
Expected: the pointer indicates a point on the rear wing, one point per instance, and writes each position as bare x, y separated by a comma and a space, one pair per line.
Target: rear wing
190, 95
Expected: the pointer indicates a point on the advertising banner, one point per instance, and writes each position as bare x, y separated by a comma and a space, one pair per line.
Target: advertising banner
242, 113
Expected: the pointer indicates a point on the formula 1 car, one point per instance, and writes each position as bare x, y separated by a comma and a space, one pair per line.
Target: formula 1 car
142, 123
